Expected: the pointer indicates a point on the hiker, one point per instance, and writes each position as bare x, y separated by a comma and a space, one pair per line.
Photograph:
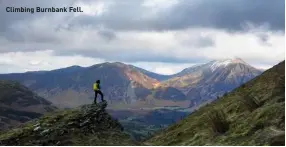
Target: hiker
97, 90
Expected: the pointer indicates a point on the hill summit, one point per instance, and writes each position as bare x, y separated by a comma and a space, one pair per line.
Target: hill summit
86, 125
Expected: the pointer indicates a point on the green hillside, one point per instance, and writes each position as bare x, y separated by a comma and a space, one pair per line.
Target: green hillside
87, 125
18, 104
253, 114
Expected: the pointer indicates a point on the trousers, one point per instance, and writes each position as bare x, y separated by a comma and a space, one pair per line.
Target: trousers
96, 92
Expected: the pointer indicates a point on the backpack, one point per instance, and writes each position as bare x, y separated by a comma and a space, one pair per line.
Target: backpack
95, 86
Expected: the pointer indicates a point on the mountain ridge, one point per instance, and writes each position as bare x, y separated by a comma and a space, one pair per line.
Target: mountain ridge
59, 85
208, 81
158, 76
129, 84
252, 114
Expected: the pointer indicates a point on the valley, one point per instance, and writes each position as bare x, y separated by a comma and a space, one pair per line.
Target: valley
251, 114
131, 90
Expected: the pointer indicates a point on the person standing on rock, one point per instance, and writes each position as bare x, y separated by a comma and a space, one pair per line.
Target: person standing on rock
96, 89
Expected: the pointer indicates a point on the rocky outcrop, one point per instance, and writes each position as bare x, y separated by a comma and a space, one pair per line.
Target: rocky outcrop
86, 125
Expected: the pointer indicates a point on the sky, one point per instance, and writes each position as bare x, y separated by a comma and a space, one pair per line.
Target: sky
163, 36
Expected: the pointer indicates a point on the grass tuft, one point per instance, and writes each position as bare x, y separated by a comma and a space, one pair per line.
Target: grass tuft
250, 102
217, 121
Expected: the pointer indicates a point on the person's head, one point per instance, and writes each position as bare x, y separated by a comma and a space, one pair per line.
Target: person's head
98, 81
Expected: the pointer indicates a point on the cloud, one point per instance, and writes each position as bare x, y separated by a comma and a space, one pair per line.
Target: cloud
169, 46
92, 8
173, 32
40, 60
172, 47
158, 14
225, 14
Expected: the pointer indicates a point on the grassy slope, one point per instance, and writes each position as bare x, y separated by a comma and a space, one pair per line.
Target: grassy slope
263, 126
87, 125
18, 104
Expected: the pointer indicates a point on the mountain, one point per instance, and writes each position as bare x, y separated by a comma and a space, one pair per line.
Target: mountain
72, 86
125, 85
208, 81
153, 75
126, 88
18, 104
251, 115
88, 125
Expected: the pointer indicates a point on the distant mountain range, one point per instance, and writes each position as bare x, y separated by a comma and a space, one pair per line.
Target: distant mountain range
127, 86
154, 100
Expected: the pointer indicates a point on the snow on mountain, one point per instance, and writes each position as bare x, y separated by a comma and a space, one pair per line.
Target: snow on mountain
225, 62
208, 81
